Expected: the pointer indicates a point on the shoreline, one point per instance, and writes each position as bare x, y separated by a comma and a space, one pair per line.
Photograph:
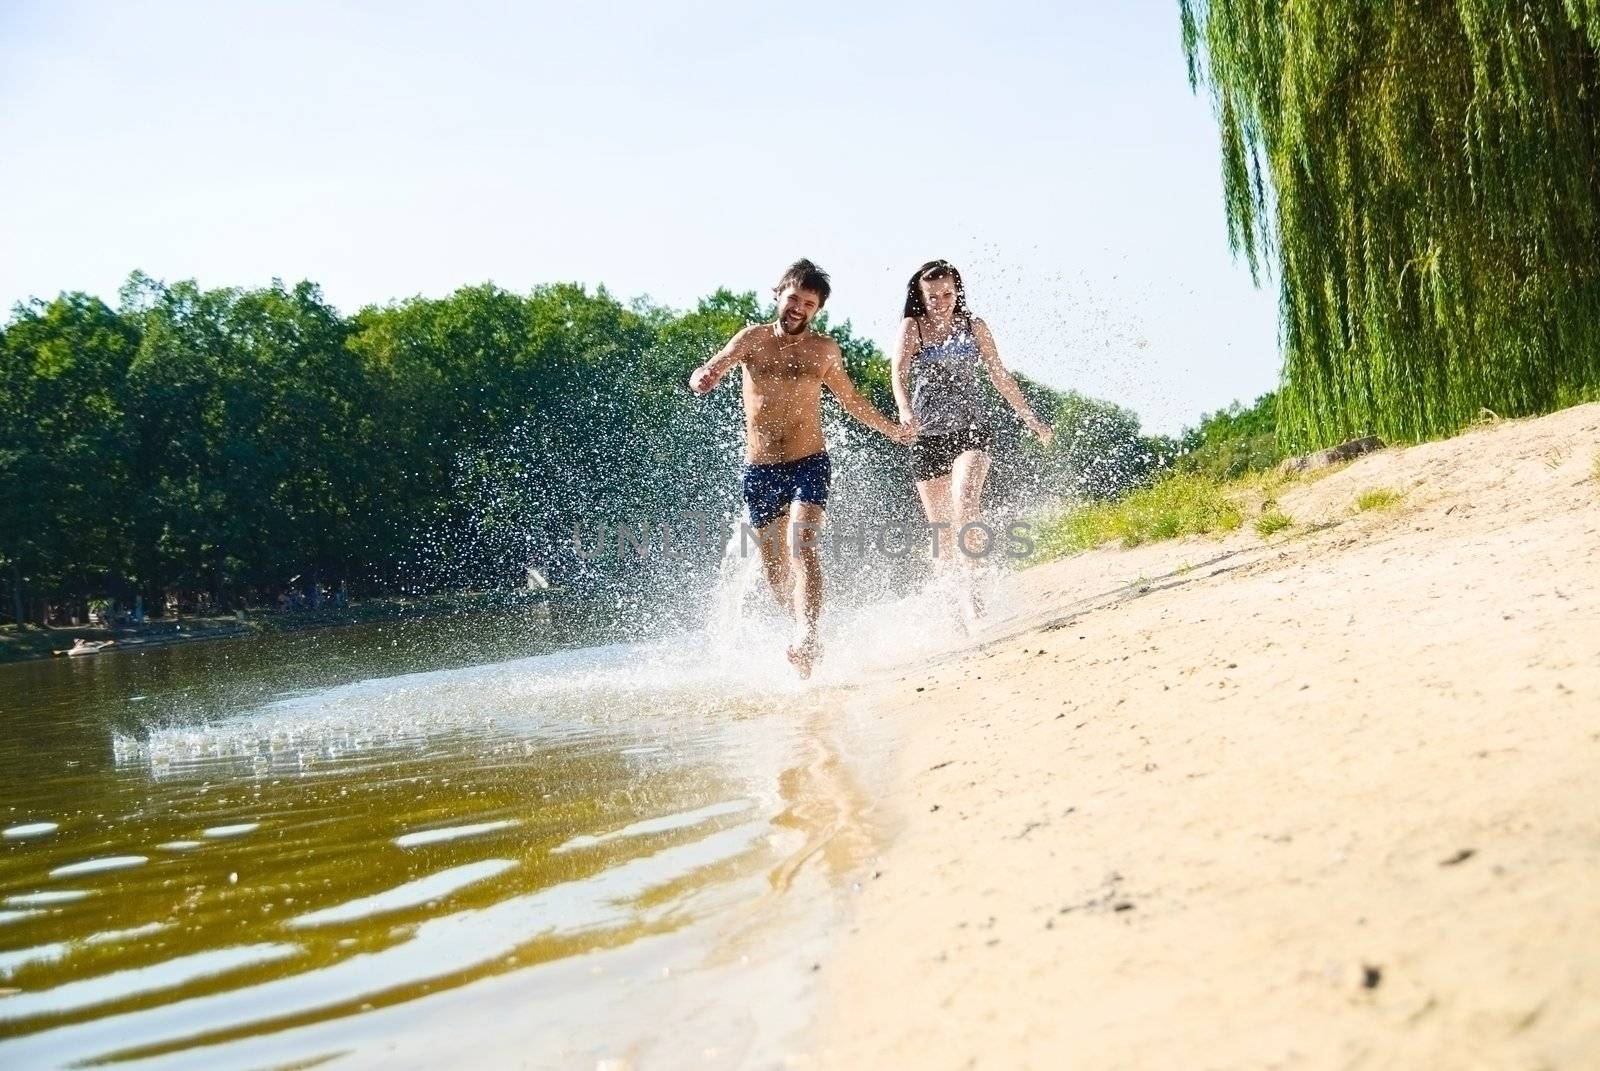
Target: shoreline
1323, 799
39, 642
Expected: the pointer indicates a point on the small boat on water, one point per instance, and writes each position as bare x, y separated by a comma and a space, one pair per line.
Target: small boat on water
86, 647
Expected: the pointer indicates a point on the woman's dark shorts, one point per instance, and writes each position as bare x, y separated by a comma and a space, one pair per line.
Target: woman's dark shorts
933, 456
768, 489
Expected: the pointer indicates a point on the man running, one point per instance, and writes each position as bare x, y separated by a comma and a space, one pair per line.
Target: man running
787, 471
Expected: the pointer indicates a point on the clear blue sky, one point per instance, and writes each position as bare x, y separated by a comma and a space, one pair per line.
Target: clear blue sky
1052, 151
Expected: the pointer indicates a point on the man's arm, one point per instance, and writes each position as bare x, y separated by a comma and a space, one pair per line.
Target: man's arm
837, 380
900, 369
708, 375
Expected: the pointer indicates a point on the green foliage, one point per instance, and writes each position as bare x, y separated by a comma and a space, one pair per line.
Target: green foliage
64, 445
1422, 178
1272, 521
1178, 505
1232, 442
1099, 451
1377, 498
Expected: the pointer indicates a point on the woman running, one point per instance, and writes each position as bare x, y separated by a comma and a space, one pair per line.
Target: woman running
936, 384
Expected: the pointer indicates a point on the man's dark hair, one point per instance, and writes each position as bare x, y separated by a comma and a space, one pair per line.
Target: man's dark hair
804, 275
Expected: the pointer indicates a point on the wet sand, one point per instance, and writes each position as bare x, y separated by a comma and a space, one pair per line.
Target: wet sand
1323, 800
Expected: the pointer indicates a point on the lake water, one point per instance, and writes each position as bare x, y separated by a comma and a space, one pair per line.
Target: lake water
357, 848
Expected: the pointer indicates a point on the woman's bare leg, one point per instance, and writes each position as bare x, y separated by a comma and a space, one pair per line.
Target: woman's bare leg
936, 506
967, 478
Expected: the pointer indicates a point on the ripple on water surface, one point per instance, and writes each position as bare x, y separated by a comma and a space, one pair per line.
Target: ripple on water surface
170, 974
664, 824
436, 836
411, 894
180, 845
45, 899
95, 866
10, 962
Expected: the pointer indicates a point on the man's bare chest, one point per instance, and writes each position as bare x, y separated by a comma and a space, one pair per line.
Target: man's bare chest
785, 368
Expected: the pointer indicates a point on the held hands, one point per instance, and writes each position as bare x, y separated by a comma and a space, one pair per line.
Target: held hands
703, 379
905, 432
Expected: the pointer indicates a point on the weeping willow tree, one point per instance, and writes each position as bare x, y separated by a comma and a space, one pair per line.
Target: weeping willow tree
1421, 176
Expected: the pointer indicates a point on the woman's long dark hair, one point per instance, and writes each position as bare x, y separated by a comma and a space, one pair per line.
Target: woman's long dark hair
916, 308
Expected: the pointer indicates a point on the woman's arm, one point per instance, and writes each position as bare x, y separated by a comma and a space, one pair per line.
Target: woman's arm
1006, 384
900, 369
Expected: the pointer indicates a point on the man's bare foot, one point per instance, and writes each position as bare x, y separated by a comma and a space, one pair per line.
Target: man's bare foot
805, 654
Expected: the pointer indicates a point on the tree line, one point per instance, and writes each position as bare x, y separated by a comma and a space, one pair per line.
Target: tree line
236, 443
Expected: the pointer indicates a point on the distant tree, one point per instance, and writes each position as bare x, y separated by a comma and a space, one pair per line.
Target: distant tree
1233, 441
64, 474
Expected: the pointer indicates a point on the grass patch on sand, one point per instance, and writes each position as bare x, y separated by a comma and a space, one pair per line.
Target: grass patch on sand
1377, 498
1272, 521
1180, 505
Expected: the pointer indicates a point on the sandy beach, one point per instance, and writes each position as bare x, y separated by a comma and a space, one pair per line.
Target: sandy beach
1327, 799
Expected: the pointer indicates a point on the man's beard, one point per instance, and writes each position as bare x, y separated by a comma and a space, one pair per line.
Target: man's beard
800, 329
